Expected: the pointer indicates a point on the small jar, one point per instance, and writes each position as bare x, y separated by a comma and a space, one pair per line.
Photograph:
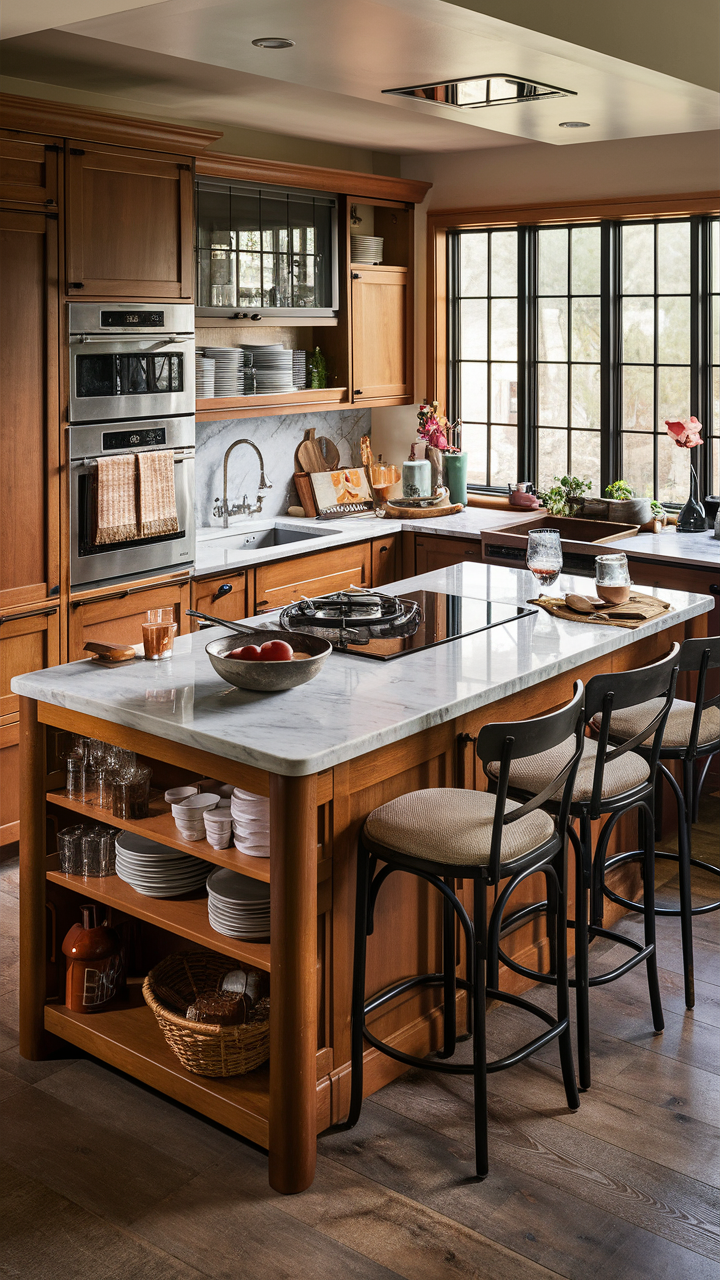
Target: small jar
131, 794
74, 777
69, 847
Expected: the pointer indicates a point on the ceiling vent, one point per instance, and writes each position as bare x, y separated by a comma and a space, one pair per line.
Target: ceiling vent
471, 92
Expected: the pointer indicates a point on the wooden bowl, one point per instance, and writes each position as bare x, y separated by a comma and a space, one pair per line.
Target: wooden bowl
614, 595
268, 677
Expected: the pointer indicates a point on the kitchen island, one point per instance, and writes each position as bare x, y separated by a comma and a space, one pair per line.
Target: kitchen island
326, 754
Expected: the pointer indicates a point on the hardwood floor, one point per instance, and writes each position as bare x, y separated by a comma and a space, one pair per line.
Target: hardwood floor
101, 1176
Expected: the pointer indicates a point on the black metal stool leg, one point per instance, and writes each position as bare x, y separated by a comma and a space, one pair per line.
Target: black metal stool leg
358, 988
685, 810
583, 858
479, 1039
449, 983
649, 922
561, 968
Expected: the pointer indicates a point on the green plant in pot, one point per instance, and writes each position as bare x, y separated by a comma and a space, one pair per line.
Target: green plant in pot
566, 495
625, 507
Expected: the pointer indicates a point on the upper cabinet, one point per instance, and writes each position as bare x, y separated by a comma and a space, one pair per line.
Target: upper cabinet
380, 331
28, 170
129, 223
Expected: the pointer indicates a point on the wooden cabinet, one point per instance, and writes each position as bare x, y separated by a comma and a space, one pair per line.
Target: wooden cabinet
117, 617
28, 170
287, 580
675, 577
29, 408
385, 560
223, 596
128, 223
439, 552
29, 641
380, 334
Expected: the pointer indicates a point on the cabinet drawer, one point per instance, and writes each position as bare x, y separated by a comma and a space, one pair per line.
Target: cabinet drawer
29, 170
29, 641
384, 560
315, 575
9, 782
438, 553
223, 596
117, 618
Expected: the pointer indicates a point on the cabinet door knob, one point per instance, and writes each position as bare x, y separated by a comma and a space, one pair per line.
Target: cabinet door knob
357, 393
222, 591
355, 275
75, 284
715, 589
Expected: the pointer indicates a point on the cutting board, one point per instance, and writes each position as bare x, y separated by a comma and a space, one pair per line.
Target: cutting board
314, 455
396, 511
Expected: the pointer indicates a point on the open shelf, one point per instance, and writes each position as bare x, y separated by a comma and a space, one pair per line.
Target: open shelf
315, 398
187, 916
160, 826
128, 1037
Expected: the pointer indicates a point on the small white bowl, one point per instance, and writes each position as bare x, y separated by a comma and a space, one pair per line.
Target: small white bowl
176, 794
252, 853
205, 800
193, 835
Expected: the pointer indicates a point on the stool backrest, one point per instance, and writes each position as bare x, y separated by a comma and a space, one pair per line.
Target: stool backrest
517, 739
701, 655
608, 693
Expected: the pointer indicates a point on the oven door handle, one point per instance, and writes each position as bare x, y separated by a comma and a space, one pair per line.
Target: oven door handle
178, 456
82, 339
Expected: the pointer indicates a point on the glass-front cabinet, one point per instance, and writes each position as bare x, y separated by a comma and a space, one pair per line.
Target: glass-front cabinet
266, 250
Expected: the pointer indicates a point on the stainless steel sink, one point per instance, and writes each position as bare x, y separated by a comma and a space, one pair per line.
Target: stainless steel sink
263, 534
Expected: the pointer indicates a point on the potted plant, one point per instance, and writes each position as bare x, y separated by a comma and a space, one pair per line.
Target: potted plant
623, 507
565, 498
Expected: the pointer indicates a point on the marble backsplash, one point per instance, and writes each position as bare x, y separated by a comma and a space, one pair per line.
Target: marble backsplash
277, 439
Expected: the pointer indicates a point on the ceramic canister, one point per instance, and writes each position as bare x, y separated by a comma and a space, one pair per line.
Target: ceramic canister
455, 465
417, 479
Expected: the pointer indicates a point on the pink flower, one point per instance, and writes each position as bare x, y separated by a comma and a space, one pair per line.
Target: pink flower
686, 434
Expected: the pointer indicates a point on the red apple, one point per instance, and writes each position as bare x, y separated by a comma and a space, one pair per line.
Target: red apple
276, 651
250, 653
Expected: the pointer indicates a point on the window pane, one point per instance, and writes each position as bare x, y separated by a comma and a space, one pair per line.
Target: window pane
473, 329
638, 315
503, 256
474, 443
673, 319
553, 261
673, 257
473, 392
586, 329
552, 456
716, 330
637, 463
552, 329
473, 264
504, 392
503, 454
716, 402
715, 254
585, 407
586, 260
673, 397
249, 279
673, 471
637, 398
585, 457
504, 329
552, 395
638, 259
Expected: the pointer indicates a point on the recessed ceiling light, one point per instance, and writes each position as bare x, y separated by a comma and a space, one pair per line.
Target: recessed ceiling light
273, 42
573, 124
472, 92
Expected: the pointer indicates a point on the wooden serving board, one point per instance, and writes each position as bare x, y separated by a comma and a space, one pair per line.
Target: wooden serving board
447, 508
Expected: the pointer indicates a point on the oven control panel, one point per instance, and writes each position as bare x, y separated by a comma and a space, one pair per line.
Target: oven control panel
141, 438
132, 319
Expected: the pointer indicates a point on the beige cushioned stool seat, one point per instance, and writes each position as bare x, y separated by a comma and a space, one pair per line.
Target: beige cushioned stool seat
449, 825
534, 773
631, 720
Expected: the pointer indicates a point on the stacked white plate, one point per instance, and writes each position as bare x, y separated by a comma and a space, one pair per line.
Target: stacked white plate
367, 249
154, 870
189, 814
251, 823
204, 377
299, 365
238, 906
273, 370
229, 370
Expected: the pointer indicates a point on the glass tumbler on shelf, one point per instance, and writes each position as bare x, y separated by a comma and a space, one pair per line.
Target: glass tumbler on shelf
131, 793
90, 782
90, 844
612, 578
74, 768
69, 843
158, 632
544, 555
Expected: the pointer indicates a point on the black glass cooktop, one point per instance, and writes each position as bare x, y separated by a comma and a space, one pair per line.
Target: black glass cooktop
444, 618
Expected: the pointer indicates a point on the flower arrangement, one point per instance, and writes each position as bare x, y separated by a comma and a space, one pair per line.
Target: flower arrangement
685, 433
434, 428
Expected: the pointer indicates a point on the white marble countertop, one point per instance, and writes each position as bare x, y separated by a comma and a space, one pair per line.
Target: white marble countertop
214, 554
354, 704
701, 550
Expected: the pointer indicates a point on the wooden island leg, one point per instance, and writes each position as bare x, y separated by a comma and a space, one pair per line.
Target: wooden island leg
293, 983
32, 882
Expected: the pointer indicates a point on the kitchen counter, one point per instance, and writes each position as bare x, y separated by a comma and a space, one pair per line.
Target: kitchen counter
699, 550
354, 705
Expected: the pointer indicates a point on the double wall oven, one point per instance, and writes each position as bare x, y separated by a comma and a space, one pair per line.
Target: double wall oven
131, 391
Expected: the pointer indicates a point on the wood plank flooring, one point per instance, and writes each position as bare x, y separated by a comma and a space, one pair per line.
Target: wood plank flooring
100, 1176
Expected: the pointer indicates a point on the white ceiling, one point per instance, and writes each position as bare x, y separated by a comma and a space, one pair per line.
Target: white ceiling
194, 59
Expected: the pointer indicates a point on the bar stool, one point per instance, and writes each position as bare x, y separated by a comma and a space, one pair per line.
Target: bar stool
441, 834
692, 733
609, 784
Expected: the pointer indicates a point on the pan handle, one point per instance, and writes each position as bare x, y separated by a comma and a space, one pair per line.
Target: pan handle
239, 627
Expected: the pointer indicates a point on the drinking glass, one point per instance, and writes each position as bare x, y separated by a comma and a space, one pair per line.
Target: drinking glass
544, 555
90, 782
612, 578
131, 793
74, 767
159, 634
98, 851
69, 842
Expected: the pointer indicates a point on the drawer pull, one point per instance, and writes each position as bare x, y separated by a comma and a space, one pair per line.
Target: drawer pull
715, 589
32, 613
224, 590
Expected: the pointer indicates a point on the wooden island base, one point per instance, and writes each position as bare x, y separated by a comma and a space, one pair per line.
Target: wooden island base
314, 826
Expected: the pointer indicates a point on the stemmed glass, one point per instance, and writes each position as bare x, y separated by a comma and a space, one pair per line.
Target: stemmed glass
544, 555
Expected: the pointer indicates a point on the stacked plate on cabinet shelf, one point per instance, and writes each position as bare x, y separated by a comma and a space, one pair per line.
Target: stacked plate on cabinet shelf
273, 370
238, 906
229, 370
155, 870
251, 823
300, 370
367, 249
204, 377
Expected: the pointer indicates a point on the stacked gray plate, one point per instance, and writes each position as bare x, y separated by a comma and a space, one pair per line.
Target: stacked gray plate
273, 370
229, 370
299, 366
367, 249
238, 906
155, 870
204, 377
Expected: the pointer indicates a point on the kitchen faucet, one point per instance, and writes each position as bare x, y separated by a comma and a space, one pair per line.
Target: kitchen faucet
240, 508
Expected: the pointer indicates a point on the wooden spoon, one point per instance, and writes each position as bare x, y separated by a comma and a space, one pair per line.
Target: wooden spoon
583, 604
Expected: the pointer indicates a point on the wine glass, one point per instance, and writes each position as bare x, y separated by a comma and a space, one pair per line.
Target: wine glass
544, 555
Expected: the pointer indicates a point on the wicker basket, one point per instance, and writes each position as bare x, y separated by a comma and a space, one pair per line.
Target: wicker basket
204, 1049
